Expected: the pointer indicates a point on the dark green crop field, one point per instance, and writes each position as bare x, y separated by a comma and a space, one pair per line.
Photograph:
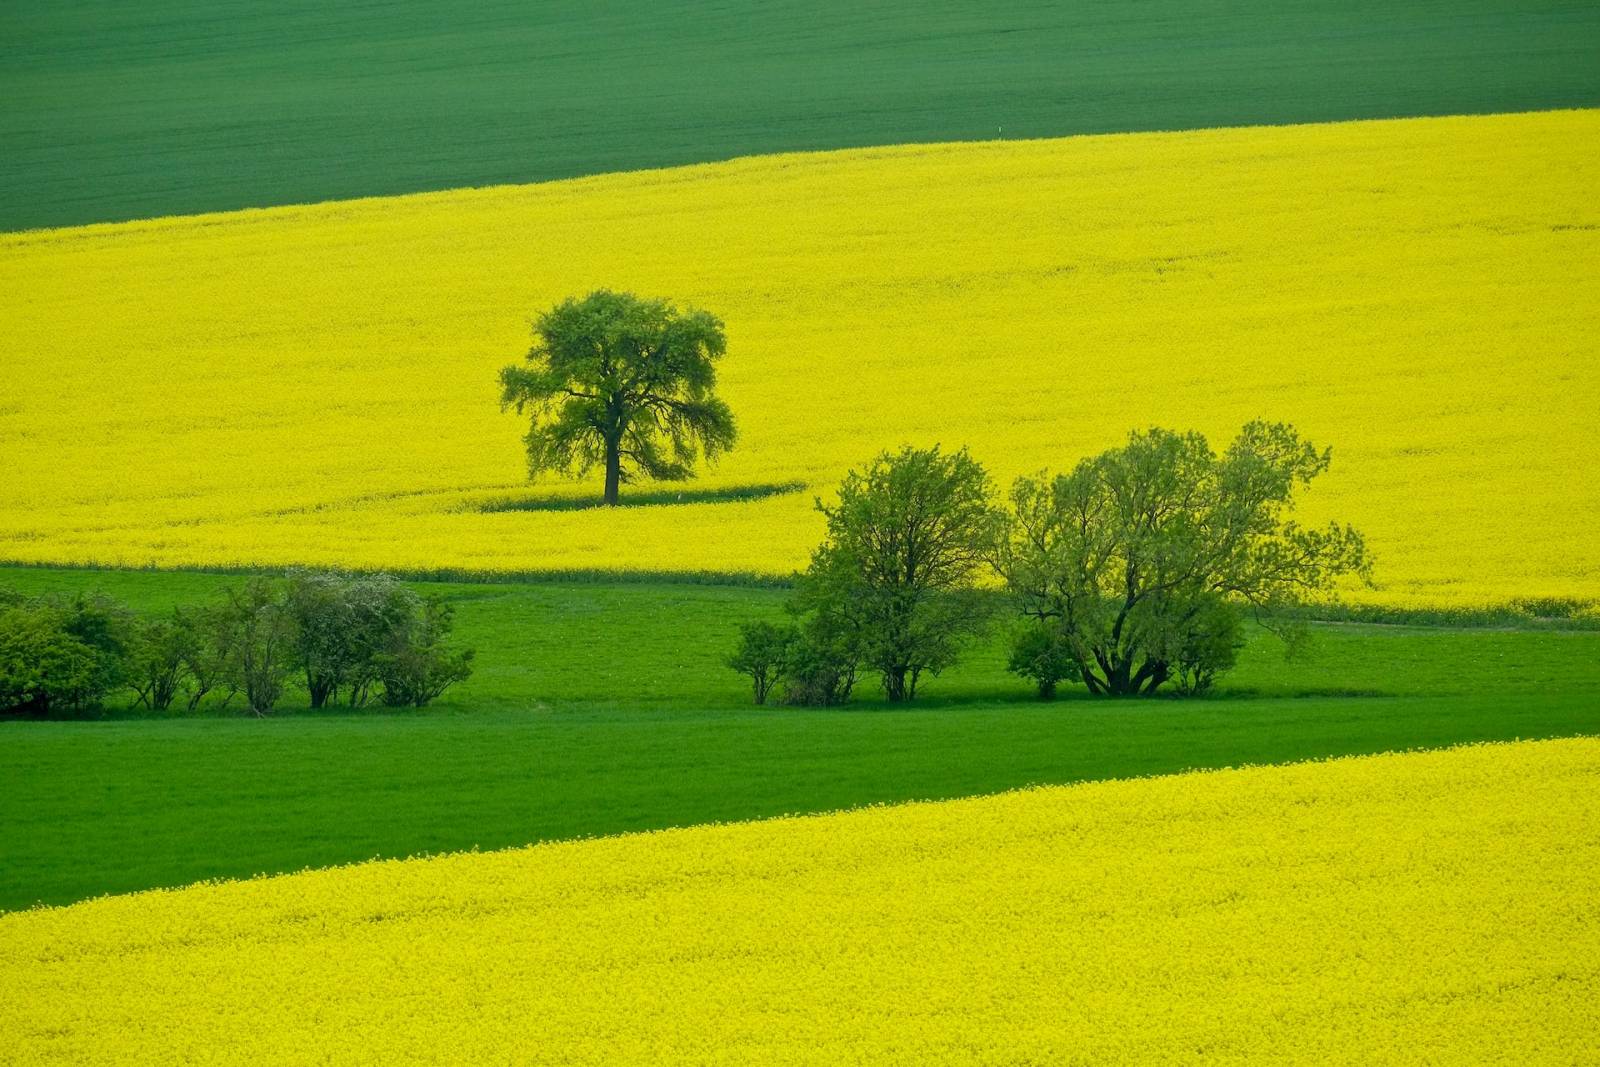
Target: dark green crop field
603, 707
113, 110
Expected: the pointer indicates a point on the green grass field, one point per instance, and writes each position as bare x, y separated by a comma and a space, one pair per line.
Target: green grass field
600, 708
116, 111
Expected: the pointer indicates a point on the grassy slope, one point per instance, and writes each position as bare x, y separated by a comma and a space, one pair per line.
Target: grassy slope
602, 708
118, 111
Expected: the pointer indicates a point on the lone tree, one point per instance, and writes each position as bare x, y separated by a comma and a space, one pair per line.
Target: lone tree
896, 575
1143, 556
623, 382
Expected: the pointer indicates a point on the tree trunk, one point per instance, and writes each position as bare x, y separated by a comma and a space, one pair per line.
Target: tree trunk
1151, 677
1117, 678
613, 471
1122, 680
894, 685
1117, 675
322, 687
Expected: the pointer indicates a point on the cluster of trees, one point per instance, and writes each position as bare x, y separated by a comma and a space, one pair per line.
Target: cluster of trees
1131, 572
346, 639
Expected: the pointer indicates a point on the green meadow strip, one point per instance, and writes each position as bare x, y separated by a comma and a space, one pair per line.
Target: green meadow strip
116, 111
601, 707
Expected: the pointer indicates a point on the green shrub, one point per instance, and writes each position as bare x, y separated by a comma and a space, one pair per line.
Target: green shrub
420, 664
255, 630
820, 668
1208, 645
60, 656
342, 624
158, 654
1039, 652
763, 653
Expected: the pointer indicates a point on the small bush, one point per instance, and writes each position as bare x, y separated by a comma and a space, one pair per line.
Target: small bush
1208, 646
342, 623
208, 654
1039, 652
820, 670
257, 629
420, 664
43, 668
763, 653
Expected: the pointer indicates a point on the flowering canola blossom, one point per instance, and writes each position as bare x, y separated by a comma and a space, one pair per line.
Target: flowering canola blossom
1438, 907
318, 384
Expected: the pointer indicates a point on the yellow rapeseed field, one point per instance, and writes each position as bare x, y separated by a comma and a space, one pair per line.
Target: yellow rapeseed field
1439, 907
317, 384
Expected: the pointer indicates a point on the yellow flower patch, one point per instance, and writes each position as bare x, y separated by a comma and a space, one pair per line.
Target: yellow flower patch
317, 384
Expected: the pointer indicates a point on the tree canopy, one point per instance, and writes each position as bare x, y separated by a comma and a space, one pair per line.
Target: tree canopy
896, 575
1141, 556
625, 383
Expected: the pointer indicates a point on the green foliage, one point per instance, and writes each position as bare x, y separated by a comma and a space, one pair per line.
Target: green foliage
118, 111
43, 668
343, 624
256, 627
815, 662
1129, 554
356, 634
419, 663
893, 584
208, 653
820, 665
323, 645
625, 383
158, 658
1207, 644
60, 655
763, 653
1039, 652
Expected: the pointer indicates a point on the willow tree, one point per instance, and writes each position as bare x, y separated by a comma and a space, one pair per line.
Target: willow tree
624, 383
1140, 558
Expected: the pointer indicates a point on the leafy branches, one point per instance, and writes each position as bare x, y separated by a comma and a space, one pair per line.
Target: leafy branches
617, 381
1132, 571
355, 636
1141, 553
